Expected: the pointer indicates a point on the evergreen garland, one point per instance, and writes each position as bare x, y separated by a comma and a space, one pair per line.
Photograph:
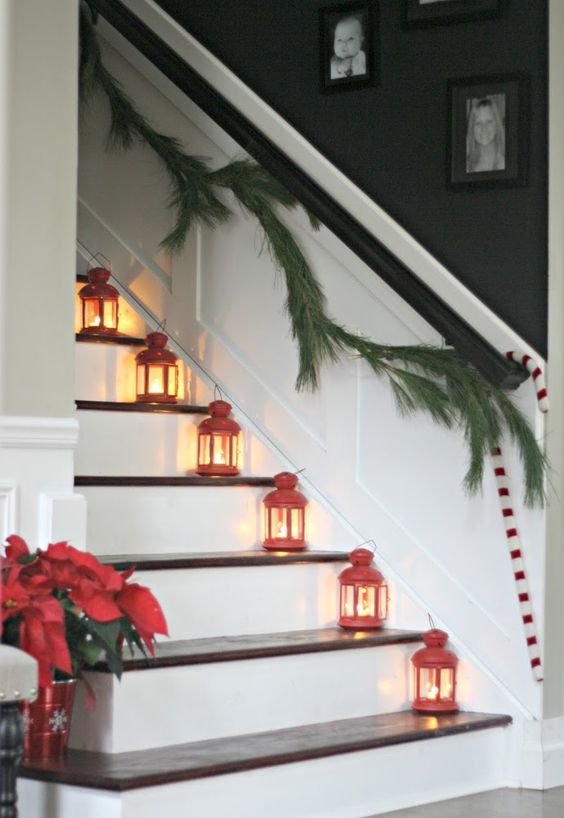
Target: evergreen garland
423, 378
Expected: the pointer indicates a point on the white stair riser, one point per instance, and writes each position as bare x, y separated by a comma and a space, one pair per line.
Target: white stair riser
155, 444
153, 708
206, 602
131, 443
107, 372
354, 785
127, 519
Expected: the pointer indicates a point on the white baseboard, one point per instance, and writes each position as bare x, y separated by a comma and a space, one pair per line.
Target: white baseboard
542, 756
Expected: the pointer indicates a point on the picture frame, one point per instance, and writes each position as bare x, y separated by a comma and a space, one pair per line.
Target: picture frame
425, 13
488, 131
347, 45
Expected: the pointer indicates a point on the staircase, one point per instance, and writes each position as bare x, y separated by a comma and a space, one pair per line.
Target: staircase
257, 705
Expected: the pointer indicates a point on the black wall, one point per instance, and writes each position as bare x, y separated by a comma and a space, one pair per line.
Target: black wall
391, 139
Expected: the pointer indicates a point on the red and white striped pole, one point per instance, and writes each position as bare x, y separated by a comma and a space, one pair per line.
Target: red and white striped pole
512, 533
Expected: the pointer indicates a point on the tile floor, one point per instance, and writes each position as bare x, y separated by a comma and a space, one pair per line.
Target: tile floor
506, 803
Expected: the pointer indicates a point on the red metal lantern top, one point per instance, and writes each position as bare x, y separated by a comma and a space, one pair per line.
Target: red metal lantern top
285, 493
219, 420
98, 286
156, 352
362, 569
434, 654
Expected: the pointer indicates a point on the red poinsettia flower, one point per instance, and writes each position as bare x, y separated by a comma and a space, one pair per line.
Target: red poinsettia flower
141, 607
43, 635
16, 548
53, 598
15, 597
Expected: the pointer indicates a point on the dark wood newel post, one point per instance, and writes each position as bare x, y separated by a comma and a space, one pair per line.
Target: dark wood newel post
11, 744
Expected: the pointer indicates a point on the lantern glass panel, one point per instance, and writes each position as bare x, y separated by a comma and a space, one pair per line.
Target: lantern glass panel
172, 390
156, 380
347, 600
204, 442
91, 313
366, 600
278, 523
235, 450
110, 314
221, 449
383, 602
447, 684
140, 379
429, 684
297, 523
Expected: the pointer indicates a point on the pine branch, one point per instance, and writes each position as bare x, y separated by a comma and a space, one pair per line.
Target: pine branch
422, 378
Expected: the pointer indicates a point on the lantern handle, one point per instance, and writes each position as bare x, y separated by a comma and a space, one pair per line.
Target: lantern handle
99, 255
431, 623
372, 543
217, 394
161, 327
299, 471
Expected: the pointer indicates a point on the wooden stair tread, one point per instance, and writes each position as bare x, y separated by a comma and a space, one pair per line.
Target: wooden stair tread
123, 406
185, 762
219, 559
120, 339
182, 652
170, 480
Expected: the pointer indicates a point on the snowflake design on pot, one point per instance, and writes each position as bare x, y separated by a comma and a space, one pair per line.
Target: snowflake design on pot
58, 721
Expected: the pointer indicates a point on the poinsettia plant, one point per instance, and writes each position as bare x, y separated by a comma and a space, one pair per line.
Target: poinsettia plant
69, 611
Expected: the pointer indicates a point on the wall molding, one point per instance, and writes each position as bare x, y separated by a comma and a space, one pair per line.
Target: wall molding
38, 433
8, 509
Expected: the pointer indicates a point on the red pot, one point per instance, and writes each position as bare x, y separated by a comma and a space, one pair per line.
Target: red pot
47, 721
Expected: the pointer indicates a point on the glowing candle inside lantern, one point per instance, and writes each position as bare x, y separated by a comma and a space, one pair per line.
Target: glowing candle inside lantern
364, 606
281, 530
219, 456
96, 322
155, 385
432, 691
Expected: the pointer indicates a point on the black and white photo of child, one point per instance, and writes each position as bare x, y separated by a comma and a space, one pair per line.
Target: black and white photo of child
348, 58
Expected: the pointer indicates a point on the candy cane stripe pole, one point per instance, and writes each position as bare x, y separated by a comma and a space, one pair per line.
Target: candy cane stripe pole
517, 564
536, 374
511, 531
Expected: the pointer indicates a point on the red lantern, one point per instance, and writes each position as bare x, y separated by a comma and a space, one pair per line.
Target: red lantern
284, 515
157, 371
99, 304
363, 593
434, 675
218, 442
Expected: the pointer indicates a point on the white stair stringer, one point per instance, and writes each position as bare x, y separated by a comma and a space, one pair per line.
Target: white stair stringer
354, 785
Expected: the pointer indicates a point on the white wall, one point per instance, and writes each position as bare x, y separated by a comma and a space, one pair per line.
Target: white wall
394, 480
554, 686
38, 161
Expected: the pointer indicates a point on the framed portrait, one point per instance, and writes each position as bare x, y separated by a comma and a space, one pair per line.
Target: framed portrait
423, 13
347, 37
487, 132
